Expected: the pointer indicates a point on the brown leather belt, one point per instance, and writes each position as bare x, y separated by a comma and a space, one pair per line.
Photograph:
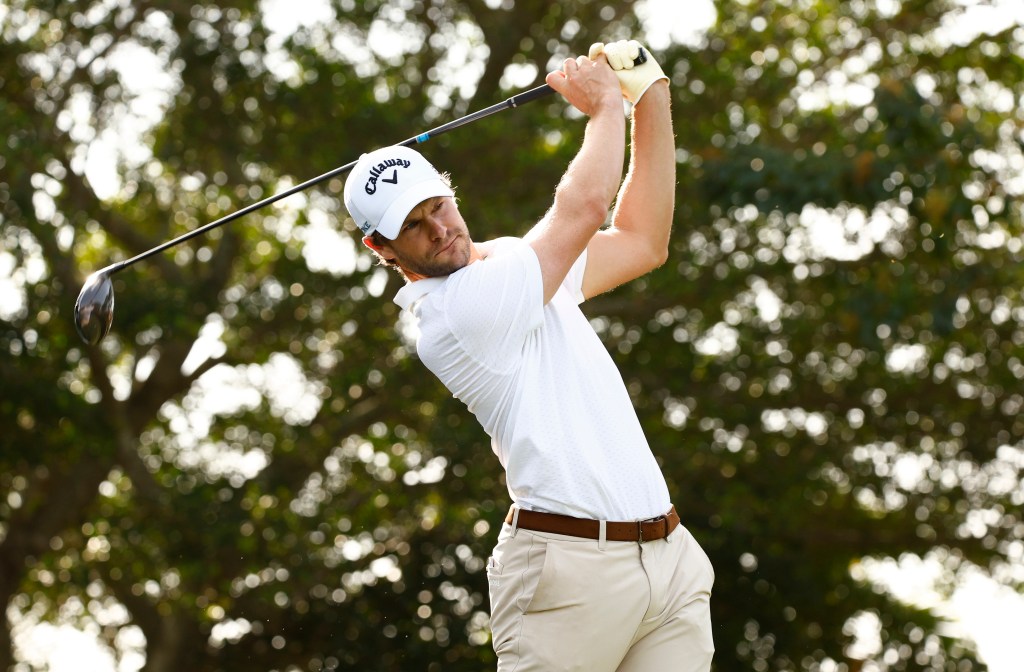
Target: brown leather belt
636, 530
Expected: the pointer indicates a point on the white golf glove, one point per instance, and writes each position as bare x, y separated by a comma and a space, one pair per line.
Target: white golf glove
634, 79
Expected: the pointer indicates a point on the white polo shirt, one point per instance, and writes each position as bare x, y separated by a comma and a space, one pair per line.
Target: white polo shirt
541, 384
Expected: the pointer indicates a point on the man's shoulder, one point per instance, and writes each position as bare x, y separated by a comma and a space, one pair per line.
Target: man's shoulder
500, 246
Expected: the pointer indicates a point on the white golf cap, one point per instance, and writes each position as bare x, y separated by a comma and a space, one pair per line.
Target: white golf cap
386, 185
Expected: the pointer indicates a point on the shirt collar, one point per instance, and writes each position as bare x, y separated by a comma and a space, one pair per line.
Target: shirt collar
407, 297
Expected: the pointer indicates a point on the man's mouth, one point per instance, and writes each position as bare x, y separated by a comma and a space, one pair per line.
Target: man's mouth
446, 247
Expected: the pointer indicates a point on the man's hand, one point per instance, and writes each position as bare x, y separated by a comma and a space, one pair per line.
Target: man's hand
634, 79
588, 84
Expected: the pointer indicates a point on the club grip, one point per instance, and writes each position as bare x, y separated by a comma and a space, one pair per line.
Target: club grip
530, 95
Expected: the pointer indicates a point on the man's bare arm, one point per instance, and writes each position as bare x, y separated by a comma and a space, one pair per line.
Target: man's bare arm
585, 193
637, 241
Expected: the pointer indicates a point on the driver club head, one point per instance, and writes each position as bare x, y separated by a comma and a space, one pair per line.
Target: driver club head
94, 309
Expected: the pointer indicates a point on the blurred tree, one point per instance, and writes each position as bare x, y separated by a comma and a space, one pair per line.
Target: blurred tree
254, 470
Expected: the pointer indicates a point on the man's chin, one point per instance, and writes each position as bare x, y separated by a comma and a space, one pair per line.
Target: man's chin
446, 262
440, 269
455, 266
458, 256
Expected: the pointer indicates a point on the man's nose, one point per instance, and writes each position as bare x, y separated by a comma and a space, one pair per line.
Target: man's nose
437, 228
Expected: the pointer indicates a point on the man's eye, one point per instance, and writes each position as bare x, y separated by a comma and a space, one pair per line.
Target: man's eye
412, 224
439, 204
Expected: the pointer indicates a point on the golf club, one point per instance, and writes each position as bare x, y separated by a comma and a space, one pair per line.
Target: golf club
94, 308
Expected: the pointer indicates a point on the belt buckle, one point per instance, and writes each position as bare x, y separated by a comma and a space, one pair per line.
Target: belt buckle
640, 525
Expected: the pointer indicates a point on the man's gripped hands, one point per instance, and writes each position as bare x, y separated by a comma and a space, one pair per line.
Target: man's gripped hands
634, 78
583, 80
588, 84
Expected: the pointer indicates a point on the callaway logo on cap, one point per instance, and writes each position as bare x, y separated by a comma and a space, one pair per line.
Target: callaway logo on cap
386, 185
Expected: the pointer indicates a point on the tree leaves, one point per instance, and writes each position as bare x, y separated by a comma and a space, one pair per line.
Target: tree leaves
257, 467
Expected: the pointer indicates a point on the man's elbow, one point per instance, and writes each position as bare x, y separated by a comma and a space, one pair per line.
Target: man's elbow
587, 206
661, 257
591, 210
656, 257
656, 253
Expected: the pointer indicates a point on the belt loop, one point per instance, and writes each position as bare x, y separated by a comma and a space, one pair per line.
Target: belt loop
602, 535
515, 520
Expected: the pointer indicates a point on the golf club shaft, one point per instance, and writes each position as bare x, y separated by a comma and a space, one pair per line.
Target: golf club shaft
515, 101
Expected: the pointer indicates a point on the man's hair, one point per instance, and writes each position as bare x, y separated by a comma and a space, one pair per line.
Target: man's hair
378, 239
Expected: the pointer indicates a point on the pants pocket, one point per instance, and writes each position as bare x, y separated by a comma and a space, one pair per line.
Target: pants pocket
514, 575
494, 569
696, 556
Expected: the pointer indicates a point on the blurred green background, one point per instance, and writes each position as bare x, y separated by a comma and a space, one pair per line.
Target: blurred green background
253, 471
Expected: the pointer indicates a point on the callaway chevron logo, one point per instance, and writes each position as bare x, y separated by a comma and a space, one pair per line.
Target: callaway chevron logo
380, 169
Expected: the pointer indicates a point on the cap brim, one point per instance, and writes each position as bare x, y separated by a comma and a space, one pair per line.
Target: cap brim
391, 222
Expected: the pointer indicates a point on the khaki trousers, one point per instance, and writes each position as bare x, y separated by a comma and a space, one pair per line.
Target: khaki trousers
565, 603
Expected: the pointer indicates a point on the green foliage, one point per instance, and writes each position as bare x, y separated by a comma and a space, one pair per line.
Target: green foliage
828, 368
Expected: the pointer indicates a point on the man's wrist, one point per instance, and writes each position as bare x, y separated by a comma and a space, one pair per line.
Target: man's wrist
609, 105
657, 90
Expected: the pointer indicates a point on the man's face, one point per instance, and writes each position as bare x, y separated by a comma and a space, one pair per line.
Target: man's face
433, 241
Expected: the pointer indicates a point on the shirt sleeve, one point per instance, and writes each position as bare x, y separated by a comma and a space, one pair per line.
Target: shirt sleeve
573, 282
493, 305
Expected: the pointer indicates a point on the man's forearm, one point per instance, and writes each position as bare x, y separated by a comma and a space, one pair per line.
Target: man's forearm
647, 199
582, 198
594, 176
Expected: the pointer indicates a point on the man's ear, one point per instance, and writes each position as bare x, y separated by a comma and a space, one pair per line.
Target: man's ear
379, 249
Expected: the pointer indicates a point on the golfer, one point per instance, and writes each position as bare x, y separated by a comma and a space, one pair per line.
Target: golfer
592, 569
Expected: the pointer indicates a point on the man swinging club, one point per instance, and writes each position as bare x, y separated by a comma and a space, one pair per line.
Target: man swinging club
592, 569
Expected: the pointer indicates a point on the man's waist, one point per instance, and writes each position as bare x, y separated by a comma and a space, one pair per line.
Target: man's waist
639, 531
